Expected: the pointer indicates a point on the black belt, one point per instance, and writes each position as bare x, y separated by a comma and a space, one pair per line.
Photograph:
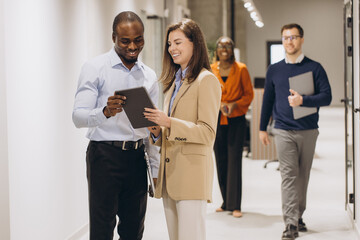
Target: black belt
125, 145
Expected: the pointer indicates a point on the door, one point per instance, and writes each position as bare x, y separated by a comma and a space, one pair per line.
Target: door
348, 104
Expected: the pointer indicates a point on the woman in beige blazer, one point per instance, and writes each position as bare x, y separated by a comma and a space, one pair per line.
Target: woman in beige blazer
186, 131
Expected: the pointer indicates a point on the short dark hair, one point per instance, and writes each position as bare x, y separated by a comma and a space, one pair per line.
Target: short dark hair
126, 16
293, 25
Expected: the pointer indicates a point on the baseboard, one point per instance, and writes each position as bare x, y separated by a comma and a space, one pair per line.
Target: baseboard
80, 234
357, 231
352, 223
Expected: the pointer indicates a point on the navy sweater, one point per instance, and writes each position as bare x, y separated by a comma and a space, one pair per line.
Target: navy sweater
275, 101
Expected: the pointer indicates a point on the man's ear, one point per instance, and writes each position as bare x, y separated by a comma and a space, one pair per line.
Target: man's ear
113, 37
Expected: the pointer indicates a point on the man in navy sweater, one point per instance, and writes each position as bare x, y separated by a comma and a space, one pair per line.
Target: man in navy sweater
295, 139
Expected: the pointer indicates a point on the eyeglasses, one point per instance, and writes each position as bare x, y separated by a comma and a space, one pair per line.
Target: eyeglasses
227, 47
293, 37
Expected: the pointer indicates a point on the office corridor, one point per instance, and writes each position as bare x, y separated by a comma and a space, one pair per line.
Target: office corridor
325, 216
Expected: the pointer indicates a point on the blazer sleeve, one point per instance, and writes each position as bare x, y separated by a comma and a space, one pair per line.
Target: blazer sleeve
158, 141
203, 131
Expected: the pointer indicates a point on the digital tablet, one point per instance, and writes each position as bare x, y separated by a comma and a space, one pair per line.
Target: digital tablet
136, 100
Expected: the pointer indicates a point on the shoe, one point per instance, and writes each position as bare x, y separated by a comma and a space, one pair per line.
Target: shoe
219, 210
301, 226
290, 232
237, 214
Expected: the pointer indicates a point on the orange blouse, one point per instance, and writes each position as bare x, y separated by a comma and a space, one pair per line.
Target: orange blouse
237, 88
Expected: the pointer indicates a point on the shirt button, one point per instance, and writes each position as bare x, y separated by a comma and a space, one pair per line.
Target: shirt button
167, 160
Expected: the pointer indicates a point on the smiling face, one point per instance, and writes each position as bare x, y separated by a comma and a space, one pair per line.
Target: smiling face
180, 48
129, 41
224, 50
292, 41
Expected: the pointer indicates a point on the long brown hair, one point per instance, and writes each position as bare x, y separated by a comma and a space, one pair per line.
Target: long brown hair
198, 61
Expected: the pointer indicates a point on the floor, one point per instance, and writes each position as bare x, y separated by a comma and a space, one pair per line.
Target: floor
325, 216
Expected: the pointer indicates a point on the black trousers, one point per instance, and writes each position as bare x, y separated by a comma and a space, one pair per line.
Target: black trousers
117, 185
228, 150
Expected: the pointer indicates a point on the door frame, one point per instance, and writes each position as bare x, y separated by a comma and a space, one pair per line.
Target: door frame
348, 23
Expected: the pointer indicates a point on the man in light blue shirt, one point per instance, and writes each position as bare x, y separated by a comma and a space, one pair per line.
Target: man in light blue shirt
116, 169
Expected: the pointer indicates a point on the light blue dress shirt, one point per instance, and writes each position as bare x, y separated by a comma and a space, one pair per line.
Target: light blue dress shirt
178, 76
100, 77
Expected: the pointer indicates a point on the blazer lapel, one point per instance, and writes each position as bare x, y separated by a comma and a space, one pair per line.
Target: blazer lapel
181, 92
168, 97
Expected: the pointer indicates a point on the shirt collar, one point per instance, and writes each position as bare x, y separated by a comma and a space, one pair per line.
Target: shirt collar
180, 74
116, 60
298, 60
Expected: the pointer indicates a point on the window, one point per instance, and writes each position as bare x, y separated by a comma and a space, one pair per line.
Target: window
275, 52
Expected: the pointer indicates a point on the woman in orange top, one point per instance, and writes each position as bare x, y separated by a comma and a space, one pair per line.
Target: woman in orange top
237, 94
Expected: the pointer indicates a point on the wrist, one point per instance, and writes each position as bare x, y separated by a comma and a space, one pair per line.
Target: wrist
107, 112
233, 106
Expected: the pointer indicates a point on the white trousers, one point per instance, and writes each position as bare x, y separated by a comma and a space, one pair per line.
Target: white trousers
185, 219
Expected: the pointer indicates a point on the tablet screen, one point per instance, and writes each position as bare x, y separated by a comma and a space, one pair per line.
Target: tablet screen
136, 100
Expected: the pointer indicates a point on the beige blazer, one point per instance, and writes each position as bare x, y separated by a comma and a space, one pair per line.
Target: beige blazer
186, 165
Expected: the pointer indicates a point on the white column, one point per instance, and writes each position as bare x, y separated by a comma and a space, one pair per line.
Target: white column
4, 160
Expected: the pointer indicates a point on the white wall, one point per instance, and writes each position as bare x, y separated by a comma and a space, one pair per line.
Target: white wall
46, 42
4, 166
322, 21
102, 15
44, 50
